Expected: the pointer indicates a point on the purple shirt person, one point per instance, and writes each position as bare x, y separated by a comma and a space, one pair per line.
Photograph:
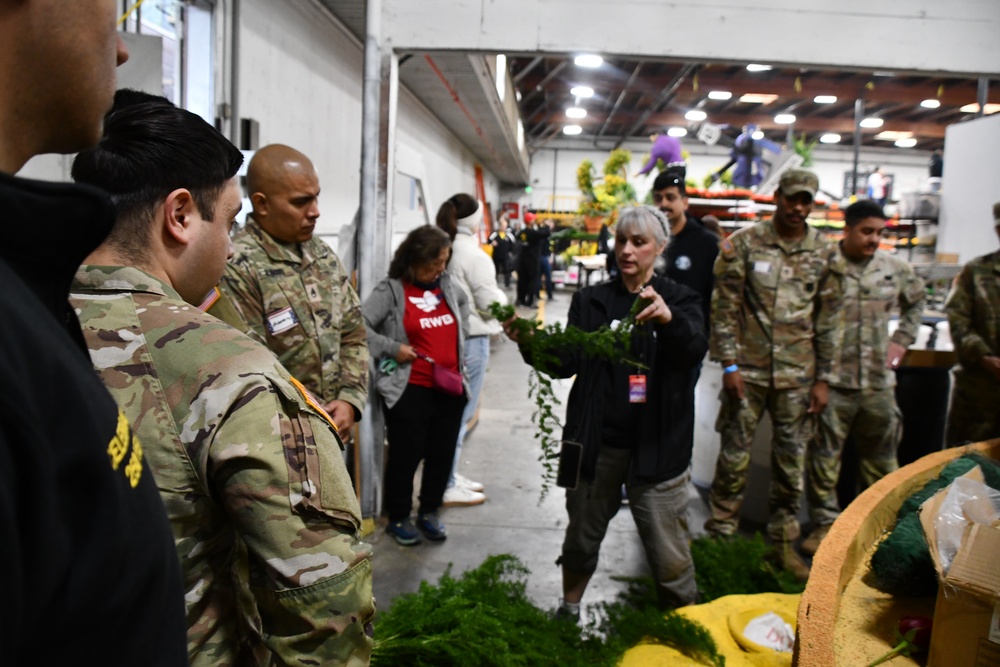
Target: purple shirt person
665, 148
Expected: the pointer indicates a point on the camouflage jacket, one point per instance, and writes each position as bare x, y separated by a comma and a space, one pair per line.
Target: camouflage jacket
304, 310
774, 306
872, 292
264, 514
973, 309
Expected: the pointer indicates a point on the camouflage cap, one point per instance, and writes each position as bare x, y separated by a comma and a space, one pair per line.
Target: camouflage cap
996, 214
795, 181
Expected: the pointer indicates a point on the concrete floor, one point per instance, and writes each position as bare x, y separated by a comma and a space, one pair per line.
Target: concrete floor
501, 452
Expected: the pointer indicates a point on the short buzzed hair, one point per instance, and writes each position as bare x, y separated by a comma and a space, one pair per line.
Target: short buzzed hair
862, 210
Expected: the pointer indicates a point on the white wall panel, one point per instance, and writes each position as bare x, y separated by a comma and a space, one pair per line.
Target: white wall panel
301, 78
958, 36
969, 187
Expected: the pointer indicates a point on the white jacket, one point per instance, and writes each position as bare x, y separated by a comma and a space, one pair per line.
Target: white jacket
473, 271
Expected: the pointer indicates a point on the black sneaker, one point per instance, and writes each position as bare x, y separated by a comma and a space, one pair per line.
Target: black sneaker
431, 527
404, 532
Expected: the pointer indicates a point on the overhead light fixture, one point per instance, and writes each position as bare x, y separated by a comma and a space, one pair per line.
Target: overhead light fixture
696, 115
757, 67
758, 98
784, 119
830, 138
572, 129
758, 135
931, 103
974, 108
885, 74
581, 91
825, 99
872, 122
719, 95
893, 135
588, 60
907, 143
576, 112
677, 132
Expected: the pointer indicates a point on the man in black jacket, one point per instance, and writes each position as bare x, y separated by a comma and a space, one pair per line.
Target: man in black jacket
90, 576
532, 239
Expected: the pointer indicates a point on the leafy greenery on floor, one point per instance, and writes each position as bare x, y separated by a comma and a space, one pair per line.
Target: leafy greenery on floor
484, 617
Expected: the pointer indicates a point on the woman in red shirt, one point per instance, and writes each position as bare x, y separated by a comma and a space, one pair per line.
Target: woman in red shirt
417, 319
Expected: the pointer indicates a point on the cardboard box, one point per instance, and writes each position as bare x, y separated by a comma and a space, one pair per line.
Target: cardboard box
966, 629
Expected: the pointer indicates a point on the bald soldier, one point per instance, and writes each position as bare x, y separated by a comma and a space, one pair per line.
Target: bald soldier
249, 467
291, 291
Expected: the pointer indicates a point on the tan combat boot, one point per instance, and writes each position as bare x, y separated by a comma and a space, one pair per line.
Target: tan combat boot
787, 558
811, 543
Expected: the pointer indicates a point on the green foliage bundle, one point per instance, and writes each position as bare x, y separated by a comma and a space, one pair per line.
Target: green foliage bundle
738, 566
902, 563
485, 618
543, 347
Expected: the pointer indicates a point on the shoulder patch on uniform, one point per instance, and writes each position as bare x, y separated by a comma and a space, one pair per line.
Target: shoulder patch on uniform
727, 249
210, 299
313, 403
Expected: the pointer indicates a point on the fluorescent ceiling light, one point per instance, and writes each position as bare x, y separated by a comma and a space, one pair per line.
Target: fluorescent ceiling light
825, 99
931, 103
677, 132
719, 95
758, 98
784, 119
581, 91
756, 67
974, 108
830, 138
893, 135
696, 114
872, 122
907, 143
758, 135
588, 60
572, 129
576, 112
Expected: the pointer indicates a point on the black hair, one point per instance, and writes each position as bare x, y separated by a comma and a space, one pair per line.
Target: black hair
862, 209
459, 206
421, 246
149, 149
670, 179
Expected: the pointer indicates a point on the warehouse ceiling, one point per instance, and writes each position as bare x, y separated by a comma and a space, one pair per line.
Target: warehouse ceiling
633, 98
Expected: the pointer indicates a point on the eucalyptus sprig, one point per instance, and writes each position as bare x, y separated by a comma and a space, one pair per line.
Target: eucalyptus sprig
544, 347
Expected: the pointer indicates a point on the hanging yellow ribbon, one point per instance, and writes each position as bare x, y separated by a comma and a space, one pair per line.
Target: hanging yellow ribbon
131, 9
940, 90
798, 84
694, 82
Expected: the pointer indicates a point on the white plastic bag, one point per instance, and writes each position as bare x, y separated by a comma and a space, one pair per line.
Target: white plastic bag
967, 501
770, 630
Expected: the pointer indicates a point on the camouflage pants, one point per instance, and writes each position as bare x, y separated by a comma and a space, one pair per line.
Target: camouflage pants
874, 419
975, 409
737, 423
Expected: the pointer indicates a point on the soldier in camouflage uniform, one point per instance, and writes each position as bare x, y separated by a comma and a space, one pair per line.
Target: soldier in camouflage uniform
249, 466
862, 397
774, 328
973, 309
292, 292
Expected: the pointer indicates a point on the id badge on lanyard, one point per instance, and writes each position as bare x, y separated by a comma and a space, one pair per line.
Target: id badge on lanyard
636, 388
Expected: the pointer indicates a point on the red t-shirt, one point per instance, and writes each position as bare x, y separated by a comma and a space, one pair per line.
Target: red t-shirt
432, 329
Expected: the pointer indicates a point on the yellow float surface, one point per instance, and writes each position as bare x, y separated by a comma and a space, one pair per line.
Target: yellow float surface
714, 616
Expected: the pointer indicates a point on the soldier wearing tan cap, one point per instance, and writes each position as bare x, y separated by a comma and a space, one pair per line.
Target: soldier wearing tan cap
973, 309
774, 329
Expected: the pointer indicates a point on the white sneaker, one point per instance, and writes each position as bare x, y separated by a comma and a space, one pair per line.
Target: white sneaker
459, 496
471, 485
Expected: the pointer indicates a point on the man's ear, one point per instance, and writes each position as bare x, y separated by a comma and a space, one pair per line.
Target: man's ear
258, 201
179, 212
